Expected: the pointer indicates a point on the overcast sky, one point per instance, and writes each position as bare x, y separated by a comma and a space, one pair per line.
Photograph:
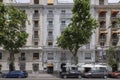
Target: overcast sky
110, 1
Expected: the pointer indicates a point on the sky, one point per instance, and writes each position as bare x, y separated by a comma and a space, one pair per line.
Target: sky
110, 1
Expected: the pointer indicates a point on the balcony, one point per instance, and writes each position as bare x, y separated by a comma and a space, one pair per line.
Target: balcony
36, 27
102, 17
62, 26
50, 27
102, 39
102, 27
114, 27
66, 15
35, 37
50, 15
50, 38
113, 18
36, 16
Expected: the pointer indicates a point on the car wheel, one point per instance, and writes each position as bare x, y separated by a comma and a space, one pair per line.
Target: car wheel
64, 76
105, 77
79, 76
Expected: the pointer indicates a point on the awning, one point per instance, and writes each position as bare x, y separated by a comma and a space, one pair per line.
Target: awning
102, 11
115, 11
105, 32
50, 65
50, 2
117, 32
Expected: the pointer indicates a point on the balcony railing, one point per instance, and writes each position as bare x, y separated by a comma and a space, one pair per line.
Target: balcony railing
36, 16
66, 15
50, 38
50, 26
113, 18
102, 18
62, 26
35, 37
102, 39
36, 27
50, 15
102, 27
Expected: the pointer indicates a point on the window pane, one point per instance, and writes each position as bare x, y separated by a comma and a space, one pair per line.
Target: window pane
50, 56
35, 56
87, 55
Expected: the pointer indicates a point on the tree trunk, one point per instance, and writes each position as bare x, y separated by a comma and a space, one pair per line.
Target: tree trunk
75, 58
11, 64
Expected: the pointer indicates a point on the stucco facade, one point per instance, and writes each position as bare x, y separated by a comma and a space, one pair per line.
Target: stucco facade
46, 21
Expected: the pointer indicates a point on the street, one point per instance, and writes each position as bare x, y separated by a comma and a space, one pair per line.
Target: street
39, 78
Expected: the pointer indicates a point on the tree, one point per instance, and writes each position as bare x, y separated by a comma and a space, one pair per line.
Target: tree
11, 36
112, 59
80, 29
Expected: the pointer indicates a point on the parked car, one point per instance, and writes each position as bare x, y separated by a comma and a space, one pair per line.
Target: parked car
15, 74
71, 72
115, 74
96, 74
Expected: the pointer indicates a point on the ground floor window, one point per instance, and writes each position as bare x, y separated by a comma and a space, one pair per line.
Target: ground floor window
22, 66
35, 67
87, 56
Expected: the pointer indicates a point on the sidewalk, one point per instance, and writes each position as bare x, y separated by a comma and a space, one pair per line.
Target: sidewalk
43, 75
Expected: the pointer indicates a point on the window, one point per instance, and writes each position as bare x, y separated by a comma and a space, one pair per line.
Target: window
87, 55
36, 1
102, 43
36, 23
35, 67
23, 56
36, 43
50, 33
0, 55
50, 22
36, 13
101, 2
35, 34
50, 11
50, 56
63, 11
50, 43
35, 56
62, 22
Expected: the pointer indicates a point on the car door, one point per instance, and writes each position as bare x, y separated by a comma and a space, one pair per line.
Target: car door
96, 74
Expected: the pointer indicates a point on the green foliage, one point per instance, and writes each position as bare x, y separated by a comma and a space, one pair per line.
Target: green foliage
111, 56
80, 29
11, 36
11, 20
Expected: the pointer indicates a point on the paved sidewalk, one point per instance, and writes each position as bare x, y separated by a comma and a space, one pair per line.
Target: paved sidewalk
44, 75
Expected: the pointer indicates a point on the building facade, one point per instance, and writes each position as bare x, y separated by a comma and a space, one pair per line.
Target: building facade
46, 21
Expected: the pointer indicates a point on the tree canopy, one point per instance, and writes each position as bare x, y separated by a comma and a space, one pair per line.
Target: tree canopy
11, 22
80, 29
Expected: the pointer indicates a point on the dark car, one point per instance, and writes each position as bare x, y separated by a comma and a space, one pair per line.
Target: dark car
96, 74
71, 72
15, 74
115, 74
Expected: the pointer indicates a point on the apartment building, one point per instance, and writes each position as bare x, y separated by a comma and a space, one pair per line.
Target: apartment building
46, 21
108, 33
